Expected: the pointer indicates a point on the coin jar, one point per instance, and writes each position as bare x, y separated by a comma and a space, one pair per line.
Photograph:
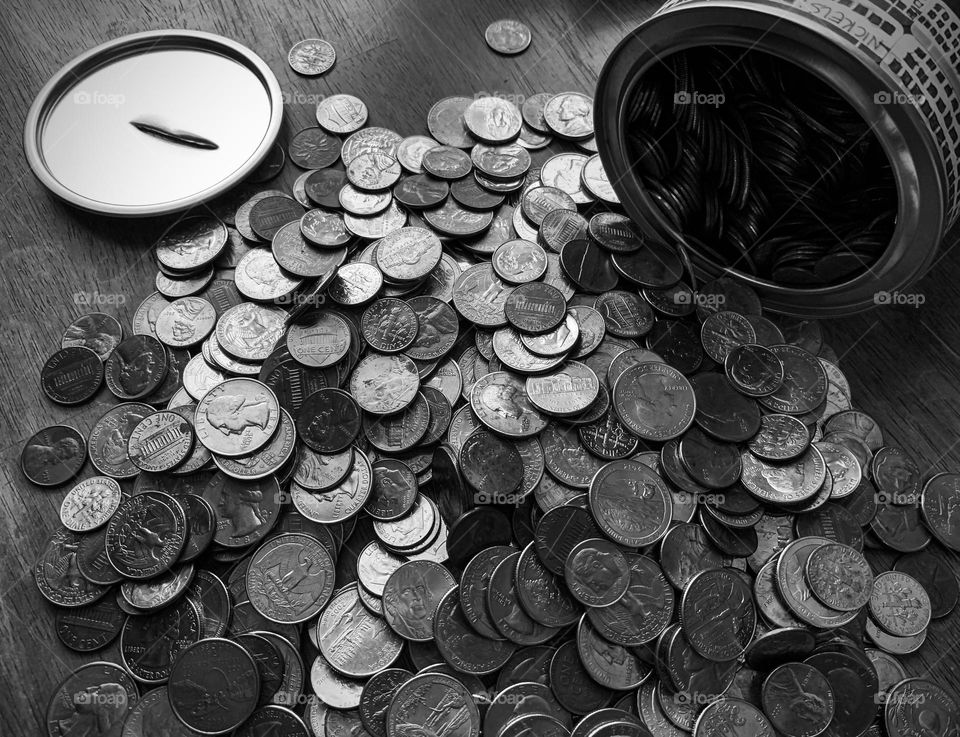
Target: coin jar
894, 64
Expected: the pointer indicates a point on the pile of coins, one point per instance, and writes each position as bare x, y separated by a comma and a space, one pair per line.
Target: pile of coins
762, 166
439, 444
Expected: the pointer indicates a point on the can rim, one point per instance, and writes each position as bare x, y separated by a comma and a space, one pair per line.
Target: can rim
93, 58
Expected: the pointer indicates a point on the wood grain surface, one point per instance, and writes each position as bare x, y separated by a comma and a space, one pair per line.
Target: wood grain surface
399, 56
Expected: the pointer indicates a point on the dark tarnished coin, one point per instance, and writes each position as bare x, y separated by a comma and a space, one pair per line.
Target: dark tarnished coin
490, 464
722, 411
839, 576
544, 596
753, 369
900, 527
507, 614
437, 700
537, 202
461, 646
91, 627
654, 401
328, 421
588, 266
780, 438
896, 476
268, 215
313, 148
572, 684
394, 490
56, 454
97, 331
798, 700
535, 307
160, 442
856, 689
146, 535
411, 596
214, 686
732, 716
645, 609
447, 162
560, 227
421, 191
469, 193
72, 375
246, 510
137, 367
474, 585
709, 462
375, 700
96, 696
935, 576
596, 572
323, 187
804, 384
631, 503
558, 531
717, 614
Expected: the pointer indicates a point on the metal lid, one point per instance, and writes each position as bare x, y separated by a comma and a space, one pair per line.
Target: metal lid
153, 123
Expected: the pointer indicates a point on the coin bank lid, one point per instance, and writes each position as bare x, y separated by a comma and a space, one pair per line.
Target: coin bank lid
153, 123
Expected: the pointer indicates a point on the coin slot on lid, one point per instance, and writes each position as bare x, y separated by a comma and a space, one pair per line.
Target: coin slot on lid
153, 123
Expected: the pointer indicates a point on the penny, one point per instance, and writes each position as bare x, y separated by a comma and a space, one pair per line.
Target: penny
899, 604
900, 527
654, 401
97, 331
411, 596
313, 148
798, 700
311, 57
160, 442
200, 674
596, 572
341, 113
572, 685
625, 314
839, 576
717, 614
535, 307
710, 463
320, 343
722, 411
54, 455
72, 375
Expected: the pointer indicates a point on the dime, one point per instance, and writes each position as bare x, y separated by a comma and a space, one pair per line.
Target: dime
507, 36
311, 57
237, 417
90, 504
792, 585
341, 113
840, 577
54, 455
844, 468
596, 572
780, 438
899, 604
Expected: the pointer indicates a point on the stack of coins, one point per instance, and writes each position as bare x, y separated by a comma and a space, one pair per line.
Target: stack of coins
438, 443
762, 166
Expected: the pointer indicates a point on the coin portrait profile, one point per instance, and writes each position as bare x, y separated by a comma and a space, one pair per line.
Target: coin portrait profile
135, 371
231, 414
96, 710
241, 508
41, 457
594, 569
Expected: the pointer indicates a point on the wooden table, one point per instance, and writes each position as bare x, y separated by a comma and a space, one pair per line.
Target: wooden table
399, 56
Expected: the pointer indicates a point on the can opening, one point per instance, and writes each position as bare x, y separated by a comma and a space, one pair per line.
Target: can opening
762, 167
